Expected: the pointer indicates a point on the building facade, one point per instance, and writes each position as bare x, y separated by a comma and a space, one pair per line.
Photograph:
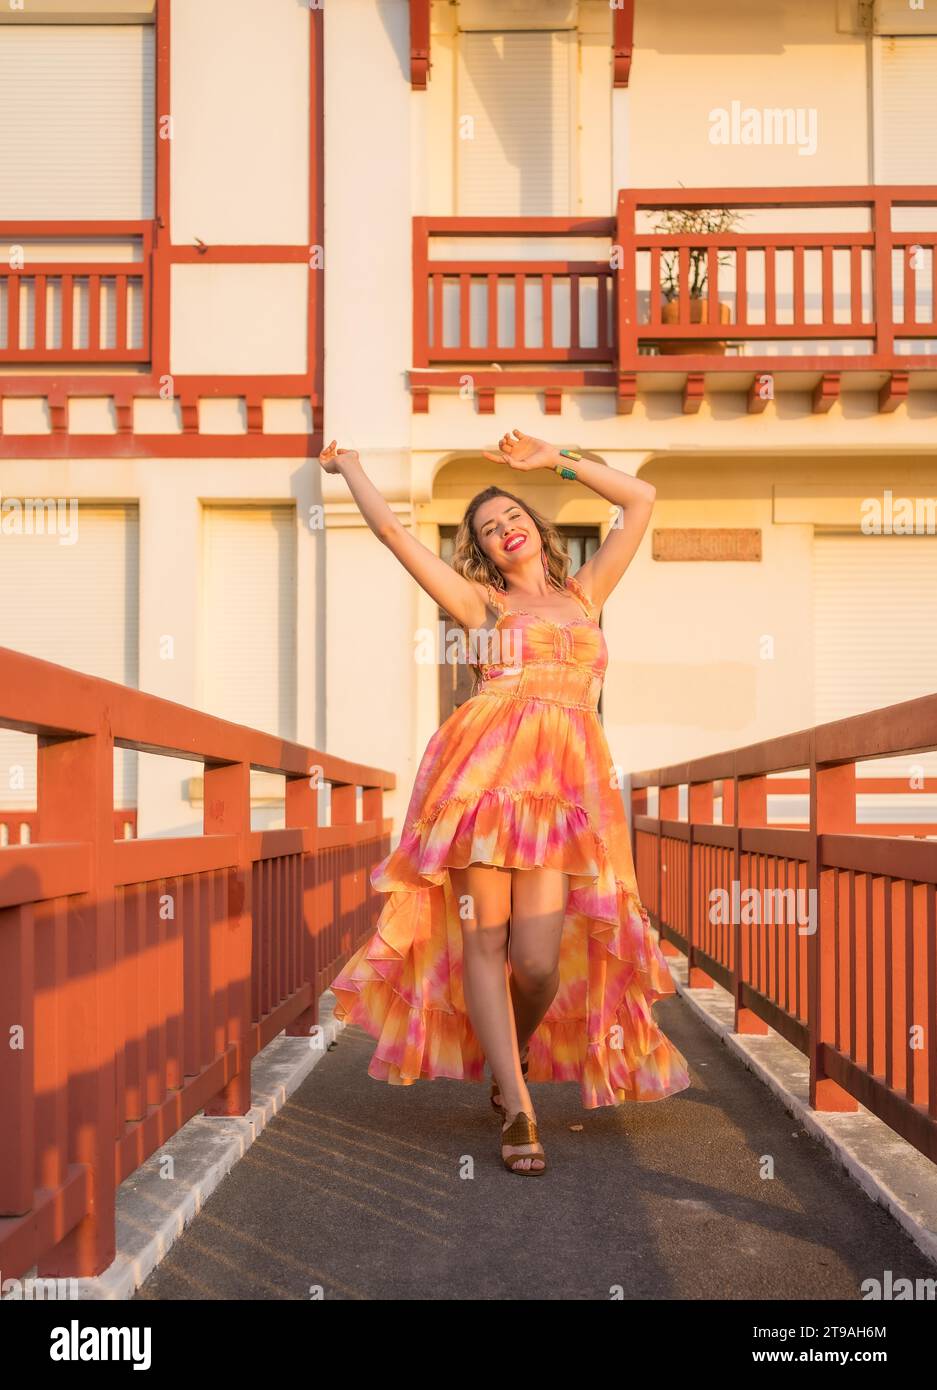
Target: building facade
696, 241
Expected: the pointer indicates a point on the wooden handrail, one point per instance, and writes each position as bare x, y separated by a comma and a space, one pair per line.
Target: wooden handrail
167, 964
851, 982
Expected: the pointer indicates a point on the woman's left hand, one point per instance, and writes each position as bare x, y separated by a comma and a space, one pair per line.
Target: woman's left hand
524, 452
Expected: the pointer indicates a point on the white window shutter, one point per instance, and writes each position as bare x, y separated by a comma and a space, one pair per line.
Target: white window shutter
77, 114
907, 115
514, 123
248, 618
77, 605
874, 603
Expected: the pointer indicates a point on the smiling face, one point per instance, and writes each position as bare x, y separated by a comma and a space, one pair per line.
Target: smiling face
506, 533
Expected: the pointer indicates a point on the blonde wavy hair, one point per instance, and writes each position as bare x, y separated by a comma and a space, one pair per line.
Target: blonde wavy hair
469, 560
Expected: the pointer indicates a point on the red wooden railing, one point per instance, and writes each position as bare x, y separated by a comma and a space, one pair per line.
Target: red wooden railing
527, 282
64, 310
855, 988
874, 290
138, 978
870, 300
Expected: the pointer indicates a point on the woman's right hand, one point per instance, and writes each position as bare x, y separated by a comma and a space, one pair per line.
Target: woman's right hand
333, 460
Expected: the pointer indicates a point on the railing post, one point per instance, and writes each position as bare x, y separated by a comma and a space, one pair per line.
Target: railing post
750, 798
157, 307
372, 810
638, 808
76, 803
228, 812
882, 298
699, 809
17, 1065
372, 807
302, 812
832, 811
668, 808
728, 801
626, 285
344, 808
666, 946
421, 294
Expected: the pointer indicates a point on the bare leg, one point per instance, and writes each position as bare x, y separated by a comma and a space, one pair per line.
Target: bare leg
538, 908
537, 912
483, 899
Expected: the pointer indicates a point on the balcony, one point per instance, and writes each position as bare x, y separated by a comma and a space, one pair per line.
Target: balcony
86, 311
820, 289
75, 293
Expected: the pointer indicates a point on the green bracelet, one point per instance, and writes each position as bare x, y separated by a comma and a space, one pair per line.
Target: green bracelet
567, 454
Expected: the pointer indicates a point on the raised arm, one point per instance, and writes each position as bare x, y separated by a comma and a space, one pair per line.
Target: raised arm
633, 496
463, 599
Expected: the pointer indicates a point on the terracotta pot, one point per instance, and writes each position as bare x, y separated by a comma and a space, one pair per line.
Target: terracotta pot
699, 313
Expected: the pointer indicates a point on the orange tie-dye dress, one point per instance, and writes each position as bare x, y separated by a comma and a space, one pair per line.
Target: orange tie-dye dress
520, 775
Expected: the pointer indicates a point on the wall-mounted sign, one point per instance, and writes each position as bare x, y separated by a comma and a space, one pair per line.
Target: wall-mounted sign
706, 543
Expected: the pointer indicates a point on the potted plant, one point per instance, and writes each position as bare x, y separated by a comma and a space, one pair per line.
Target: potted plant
692, 222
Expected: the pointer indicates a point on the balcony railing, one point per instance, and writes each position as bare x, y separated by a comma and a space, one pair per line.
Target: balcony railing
146, 974
847, 971
869, 289
548, 310
63, 301
830, 279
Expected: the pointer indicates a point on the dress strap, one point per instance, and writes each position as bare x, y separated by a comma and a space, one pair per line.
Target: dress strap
495, 599
573, 584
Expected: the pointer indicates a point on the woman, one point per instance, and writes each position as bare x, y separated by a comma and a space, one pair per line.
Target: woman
513, 923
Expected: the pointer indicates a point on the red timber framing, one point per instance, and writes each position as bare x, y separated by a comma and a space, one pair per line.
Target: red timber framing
623, 40
420, 43
830, 932
150, 276
146, 974
873, 291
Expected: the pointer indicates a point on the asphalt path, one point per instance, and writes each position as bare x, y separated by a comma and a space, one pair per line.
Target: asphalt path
362, 1190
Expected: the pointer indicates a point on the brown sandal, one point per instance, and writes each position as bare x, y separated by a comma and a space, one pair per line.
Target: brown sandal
495, 1088
522, 1130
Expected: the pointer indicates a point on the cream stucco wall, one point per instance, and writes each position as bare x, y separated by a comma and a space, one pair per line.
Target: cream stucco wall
368, 212
239, 319
240, 122
691, 59
372, 615
239, 175
711, 655
715, 655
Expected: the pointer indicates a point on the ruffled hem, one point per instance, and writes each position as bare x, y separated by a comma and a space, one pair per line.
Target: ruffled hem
501, 826
404, 985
